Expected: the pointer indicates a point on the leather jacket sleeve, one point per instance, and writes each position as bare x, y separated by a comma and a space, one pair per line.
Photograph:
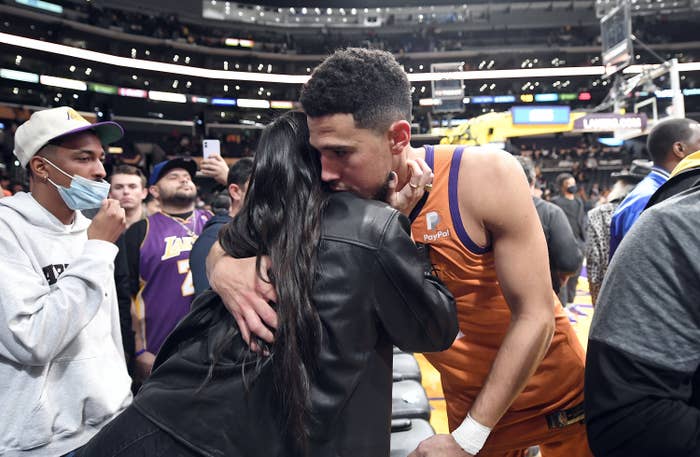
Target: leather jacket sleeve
415, 308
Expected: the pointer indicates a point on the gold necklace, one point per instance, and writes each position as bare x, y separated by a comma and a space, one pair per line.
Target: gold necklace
189, 231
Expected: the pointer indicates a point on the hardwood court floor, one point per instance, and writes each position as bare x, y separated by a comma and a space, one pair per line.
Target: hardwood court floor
431, 378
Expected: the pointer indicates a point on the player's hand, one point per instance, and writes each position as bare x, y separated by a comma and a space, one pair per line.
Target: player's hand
246, 295
439, 446
407, 198
143, 364
215, 167
109, 222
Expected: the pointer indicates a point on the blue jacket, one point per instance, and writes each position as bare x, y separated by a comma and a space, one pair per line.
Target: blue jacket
200, 250
632, 206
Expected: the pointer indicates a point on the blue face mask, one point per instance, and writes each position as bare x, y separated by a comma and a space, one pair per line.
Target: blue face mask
83, 193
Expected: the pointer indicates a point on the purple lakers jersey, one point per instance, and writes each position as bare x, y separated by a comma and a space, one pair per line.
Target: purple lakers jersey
165, 284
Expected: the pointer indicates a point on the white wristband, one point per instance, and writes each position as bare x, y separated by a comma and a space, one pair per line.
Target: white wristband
471, 435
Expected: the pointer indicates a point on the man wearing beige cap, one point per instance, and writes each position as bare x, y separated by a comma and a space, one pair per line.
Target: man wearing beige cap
62, 369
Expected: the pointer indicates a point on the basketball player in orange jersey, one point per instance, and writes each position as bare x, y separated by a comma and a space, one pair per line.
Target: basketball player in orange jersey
513, 378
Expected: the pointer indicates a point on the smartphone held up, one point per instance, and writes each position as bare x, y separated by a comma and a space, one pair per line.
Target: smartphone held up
210, 148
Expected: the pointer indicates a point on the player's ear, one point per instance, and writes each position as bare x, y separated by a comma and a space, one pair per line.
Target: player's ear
399, 136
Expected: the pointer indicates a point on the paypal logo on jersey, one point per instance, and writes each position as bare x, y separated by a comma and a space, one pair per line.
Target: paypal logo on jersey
432, 219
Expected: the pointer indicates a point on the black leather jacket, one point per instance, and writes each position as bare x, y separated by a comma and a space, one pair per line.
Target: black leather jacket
371, 292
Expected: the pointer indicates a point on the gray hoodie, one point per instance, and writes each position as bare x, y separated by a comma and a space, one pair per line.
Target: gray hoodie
62, 369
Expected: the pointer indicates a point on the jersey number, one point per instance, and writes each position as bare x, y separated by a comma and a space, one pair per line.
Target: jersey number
183, 267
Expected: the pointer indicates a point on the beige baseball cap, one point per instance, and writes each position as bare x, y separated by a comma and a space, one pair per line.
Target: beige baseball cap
49, 124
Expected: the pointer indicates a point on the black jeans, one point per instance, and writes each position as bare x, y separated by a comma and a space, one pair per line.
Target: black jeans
567, 293
132, 435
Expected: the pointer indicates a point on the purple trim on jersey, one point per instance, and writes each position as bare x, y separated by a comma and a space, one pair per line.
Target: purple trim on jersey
430, 160
454, 205
430, 156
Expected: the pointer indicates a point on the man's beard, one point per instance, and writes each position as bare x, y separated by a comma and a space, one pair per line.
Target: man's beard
383, 193
178, 199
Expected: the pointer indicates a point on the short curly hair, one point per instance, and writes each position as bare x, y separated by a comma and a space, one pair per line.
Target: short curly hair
369, 84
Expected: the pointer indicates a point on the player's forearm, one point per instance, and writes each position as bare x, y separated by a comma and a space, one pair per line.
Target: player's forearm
523, 348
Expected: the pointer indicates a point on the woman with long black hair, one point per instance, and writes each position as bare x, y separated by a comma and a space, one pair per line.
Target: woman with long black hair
350, 283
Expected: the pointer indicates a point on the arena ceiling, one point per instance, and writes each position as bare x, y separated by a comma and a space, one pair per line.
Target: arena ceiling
370, 3
193, 7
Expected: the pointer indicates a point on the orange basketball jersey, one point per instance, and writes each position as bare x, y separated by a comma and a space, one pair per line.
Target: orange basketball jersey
468, 270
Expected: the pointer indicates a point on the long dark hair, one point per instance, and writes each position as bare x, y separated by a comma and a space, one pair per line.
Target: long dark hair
280, 218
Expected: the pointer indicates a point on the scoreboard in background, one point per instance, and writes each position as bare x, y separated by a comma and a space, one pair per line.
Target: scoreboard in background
448, 95
616, 35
